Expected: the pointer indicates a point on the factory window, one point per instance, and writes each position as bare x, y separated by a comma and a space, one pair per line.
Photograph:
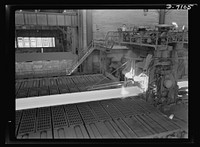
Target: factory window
33, 42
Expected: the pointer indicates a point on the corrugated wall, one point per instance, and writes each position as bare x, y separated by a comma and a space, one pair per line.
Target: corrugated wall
46, 19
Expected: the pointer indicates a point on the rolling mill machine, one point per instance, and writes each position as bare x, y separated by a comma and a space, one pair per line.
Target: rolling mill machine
104, 107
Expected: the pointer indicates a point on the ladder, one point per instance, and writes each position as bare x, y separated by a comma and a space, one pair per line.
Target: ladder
82, 57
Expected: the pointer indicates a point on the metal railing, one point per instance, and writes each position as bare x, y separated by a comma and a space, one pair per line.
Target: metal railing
81, 57
147, 38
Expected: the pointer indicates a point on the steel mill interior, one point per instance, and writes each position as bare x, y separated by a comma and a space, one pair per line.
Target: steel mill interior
117, 73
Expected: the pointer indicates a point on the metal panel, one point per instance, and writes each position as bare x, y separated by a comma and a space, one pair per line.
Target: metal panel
52, 20
74, 20
41, 19
19, 19
68, 20
61, 20
89, 28
30, 19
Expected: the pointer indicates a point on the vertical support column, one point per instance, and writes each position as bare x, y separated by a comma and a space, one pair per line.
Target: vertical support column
16, 38
84, 29
80, 31
162, 16
100, 59
74, 40
89, 27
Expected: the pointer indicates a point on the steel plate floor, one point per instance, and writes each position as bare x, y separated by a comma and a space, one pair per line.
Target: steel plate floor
115, 118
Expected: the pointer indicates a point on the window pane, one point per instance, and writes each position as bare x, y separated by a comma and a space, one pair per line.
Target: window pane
26, 42
53, 41
33, 41
49, 41
20, 42
39, 42
45, 42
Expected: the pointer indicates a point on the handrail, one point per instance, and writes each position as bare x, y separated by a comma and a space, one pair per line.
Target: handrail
82, 56
148, 38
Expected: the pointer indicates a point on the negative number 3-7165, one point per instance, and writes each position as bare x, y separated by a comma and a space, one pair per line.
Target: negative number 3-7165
179, 6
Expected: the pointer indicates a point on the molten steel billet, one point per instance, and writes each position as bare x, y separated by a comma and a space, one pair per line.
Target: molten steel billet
59, 99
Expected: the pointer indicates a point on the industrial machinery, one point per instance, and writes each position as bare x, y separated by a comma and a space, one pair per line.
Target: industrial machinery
77, 107
163, 67
163, 70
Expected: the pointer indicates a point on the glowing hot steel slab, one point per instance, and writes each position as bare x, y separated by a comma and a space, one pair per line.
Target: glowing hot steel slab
59, 99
